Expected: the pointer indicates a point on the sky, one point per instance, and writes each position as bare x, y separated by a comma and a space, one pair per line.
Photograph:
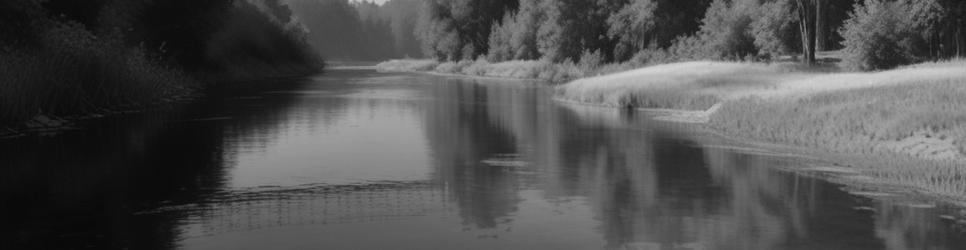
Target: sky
377, 1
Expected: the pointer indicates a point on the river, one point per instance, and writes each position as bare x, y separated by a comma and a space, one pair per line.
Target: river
355, 159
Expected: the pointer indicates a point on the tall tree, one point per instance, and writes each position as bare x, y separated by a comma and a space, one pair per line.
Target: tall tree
402, 15
575, 26
807, 14
460, 29
821, 29
642, 23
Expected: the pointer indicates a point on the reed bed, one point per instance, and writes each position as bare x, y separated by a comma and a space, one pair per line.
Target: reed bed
82, 81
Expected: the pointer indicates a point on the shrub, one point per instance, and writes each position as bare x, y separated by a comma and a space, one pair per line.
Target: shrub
79, 73
726, 31
590, 61
477, 68
408, 65
500, 47
885, 34
774, 32
726, 34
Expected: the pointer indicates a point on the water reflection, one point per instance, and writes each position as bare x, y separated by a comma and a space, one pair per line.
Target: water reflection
359, 160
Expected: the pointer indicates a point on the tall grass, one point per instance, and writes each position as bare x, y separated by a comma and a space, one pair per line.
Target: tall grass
907, 126
82, 75
693, 85
854, 120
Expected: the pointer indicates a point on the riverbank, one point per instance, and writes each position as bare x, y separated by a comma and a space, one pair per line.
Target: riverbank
36, 120
907, 124
524, 70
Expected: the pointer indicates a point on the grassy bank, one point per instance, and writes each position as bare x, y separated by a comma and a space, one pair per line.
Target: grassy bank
541, 70
907, 124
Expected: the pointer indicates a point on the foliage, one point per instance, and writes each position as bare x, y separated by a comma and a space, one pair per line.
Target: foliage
573, 26
773, 29
885, 34
253, 43
726, 29
82, 74
63, 57
632, 33
344, 30
515, 38
500, 47
591, 61
402, 16
459, 29
643, 23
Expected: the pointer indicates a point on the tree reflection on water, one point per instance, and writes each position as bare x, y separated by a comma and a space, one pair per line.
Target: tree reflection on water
498, 156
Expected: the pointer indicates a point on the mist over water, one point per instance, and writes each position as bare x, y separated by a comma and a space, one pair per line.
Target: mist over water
355, 159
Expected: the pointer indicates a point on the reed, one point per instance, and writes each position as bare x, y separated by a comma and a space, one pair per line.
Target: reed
83, 81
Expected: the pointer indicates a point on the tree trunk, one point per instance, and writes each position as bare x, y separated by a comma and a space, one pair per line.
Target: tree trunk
821, 26
959, 39
806, 14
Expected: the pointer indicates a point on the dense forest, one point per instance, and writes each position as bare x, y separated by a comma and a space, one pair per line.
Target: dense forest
872, 34
64, 57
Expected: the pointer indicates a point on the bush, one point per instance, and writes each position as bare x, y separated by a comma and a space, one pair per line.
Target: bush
560, 72
726, 33
885, 34
774, 32
79, 73
477, 68
500, 47
590, 61
408, 65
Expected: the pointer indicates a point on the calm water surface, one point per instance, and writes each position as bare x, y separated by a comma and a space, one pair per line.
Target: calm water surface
355, 159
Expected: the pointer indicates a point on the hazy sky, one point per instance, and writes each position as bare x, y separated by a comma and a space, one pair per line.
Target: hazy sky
377, 1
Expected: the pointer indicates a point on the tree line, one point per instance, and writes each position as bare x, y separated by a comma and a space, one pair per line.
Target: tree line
872, 34
360, 30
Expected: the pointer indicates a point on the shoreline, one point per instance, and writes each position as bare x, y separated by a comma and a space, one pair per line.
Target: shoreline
858, 172
47, 124
900, 129
515, 70
50, 124
735, 100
